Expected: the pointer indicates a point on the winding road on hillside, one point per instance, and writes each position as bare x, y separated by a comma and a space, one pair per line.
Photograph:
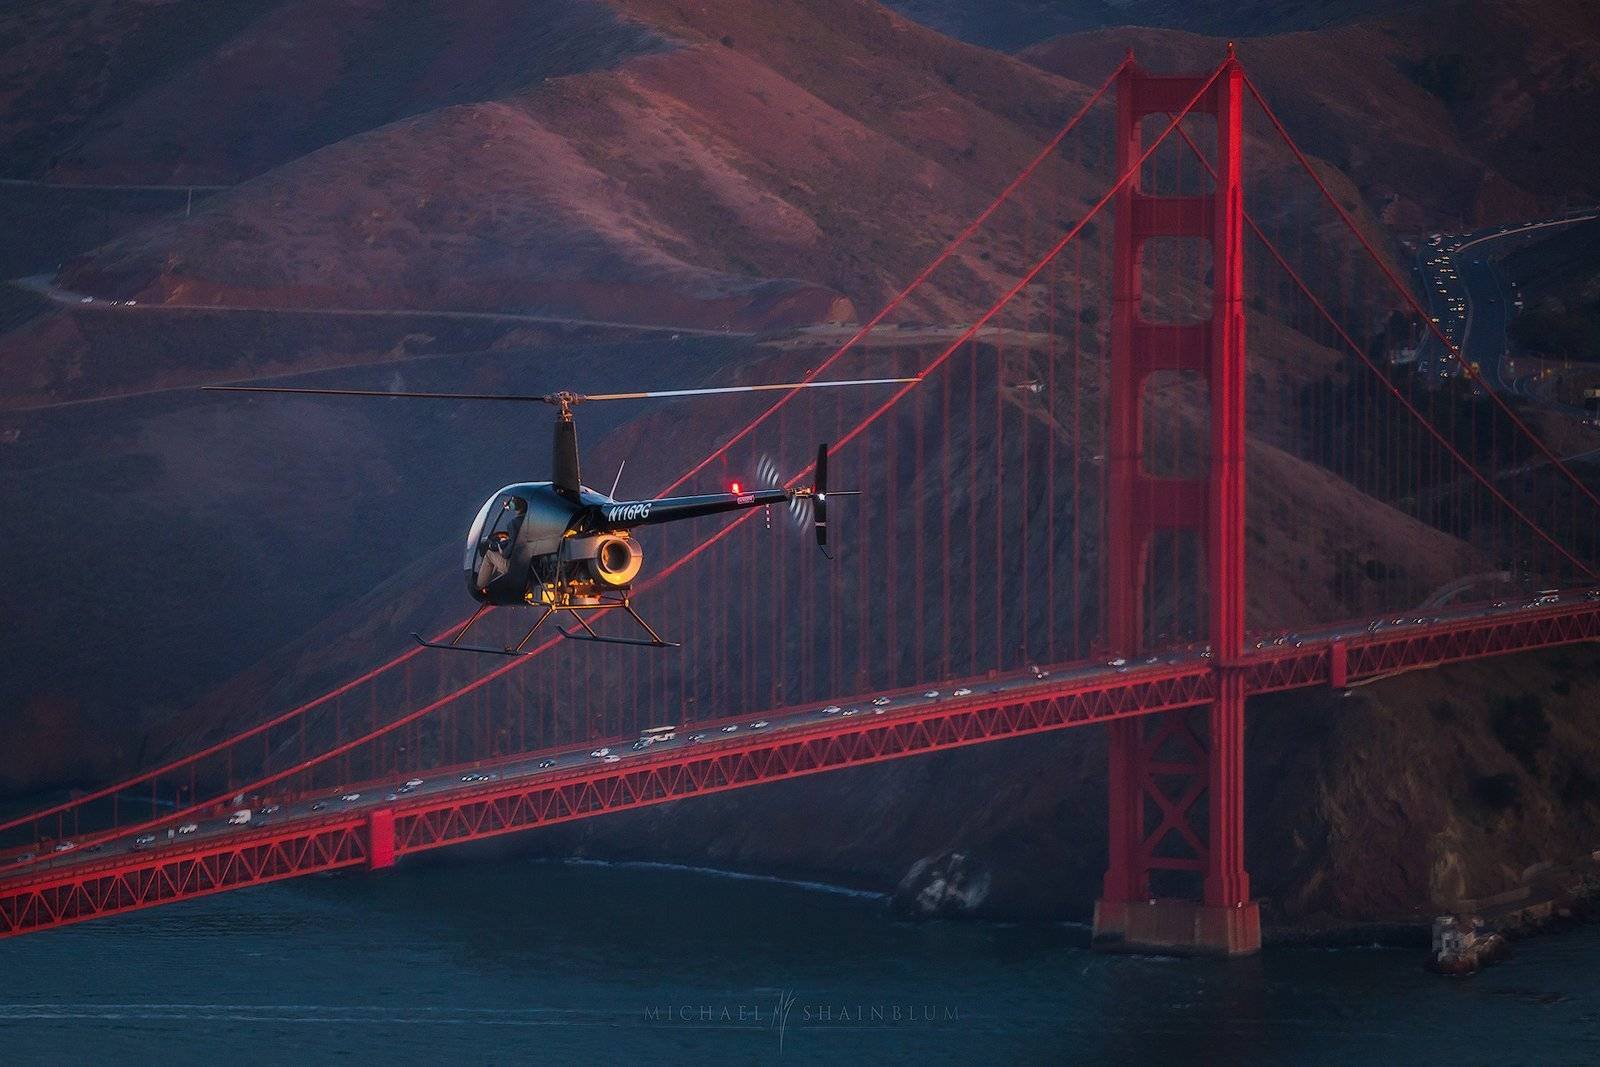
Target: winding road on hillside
44, 285
1471, 301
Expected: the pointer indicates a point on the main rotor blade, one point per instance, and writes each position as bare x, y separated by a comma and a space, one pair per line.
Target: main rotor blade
370, 392
554, 399
745, 388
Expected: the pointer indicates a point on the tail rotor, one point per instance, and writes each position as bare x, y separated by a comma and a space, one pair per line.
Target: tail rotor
808, 507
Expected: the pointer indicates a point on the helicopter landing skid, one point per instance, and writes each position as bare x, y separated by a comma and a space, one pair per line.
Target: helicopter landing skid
588, 632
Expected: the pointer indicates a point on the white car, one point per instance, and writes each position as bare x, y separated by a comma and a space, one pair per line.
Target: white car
413, 783
144, 840
730, 728
239, 818
601, 753
932, 694
962, 692
350, 798
65, 846
880, 702
1118, 662
760, 724
613, 759
695, 739
851, 711
832, 709
270, 809
188, 828
546, 764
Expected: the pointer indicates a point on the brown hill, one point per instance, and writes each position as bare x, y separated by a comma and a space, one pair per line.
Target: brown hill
1446, 112
668, 185
186, 91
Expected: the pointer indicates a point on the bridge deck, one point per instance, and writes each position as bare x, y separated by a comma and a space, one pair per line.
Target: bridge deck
797, 742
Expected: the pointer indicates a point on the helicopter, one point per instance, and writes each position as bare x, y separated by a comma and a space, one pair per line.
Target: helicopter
562, 547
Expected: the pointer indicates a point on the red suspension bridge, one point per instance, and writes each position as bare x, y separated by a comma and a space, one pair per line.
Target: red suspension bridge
1056, 533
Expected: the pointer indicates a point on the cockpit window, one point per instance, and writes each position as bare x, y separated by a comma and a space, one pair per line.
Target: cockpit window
498, 520
475, 534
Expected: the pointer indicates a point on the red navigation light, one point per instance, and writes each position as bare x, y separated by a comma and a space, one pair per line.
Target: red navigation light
734, 488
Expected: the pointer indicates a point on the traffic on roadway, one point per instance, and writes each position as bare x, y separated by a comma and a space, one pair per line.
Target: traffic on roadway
408, 788
1471, 302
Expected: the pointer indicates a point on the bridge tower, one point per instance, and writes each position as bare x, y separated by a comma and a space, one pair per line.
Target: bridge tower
1177, 780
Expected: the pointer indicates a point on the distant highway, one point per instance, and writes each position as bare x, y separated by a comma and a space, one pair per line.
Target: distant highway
1470, 299
44, 285
99, 187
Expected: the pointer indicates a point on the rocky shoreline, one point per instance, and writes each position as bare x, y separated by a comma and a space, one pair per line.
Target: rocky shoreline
1551, 898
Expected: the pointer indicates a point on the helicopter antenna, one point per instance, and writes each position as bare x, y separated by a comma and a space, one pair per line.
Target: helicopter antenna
617, 480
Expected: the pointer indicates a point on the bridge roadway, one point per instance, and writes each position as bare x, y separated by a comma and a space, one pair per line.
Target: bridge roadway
325, 832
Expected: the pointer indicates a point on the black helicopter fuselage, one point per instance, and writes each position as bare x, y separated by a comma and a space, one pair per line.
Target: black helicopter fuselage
534, 543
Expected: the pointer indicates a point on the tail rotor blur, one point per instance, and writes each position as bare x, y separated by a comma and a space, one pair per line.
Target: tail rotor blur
807, 507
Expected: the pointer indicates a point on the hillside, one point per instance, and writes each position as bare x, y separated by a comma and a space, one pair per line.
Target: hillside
1443, 113
1008, 25
670, 174
1559, 278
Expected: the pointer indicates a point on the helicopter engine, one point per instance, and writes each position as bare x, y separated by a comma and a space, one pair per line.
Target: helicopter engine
611, 559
